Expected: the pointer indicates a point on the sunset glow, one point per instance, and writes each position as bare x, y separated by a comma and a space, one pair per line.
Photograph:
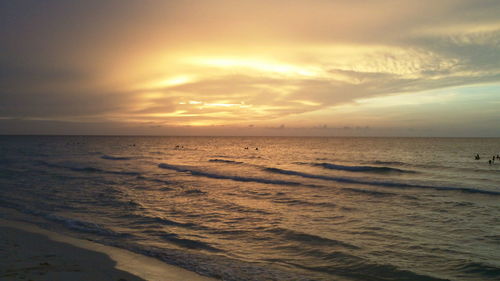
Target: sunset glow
266, 67
251, 63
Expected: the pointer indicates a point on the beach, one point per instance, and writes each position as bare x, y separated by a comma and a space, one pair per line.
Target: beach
28, 252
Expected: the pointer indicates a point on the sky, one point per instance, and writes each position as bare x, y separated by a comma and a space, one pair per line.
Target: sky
273, 67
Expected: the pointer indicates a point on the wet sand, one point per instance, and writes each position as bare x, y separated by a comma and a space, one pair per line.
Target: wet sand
28, 252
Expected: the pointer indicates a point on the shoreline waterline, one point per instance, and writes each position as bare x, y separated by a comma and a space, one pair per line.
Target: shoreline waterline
29, 250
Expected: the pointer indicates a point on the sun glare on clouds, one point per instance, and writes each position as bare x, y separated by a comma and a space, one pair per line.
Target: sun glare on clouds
224, 63
255, 65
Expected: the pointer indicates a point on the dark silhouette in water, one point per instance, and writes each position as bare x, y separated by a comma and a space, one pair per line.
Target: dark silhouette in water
477, 157
489, 161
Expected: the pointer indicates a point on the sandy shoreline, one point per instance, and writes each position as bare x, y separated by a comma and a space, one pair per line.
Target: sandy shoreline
28, 252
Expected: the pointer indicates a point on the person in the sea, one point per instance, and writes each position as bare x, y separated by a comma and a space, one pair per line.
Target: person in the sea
477, 157
489, 161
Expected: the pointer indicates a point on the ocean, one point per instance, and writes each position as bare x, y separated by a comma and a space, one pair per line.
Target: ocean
270, 208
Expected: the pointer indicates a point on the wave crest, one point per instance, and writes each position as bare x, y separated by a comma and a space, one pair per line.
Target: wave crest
223, 177
87, 169
379, 183
370, 169
226, 161
311, 239
109, 157
83, 226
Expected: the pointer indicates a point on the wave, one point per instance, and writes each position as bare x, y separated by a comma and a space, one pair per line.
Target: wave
466, 190
87, 169
193, 191
109, 157
377, 162
219, 266
378, 183
188, 243
154, 220
198, 173
97, 170
195, 172
310, 239
222, 156
83, 226
481, 268
226, 161
357, 268
370, 192
290, 201
372, 169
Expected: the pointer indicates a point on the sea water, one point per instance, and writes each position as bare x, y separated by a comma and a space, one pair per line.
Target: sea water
270, 208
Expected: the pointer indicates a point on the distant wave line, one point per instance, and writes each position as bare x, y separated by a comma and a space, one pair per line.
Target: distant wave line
109, 157
377, 183
88, 169
373, 169
226, 177
225, 161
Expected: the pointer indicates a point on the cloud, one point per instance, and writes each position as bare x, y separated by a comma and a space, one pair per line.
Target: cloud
250, 62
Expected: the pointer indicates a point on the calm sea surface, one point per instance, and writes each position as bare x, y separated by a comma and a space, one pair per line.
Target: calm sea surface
293, 209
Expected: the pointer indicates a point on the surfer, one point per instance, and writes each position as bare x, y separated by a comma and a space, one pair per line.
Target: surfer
477, 157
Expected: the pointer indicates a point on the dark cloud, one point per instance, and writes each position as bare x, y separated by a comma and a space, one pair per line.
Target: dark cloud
59, 105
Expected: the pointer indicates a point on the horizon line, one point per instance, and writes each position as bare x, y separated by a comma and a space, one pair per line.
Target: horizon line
240, 136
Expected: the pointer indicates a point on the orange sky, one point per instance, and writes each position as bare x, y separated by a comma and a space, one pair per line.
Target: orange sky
391, 66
